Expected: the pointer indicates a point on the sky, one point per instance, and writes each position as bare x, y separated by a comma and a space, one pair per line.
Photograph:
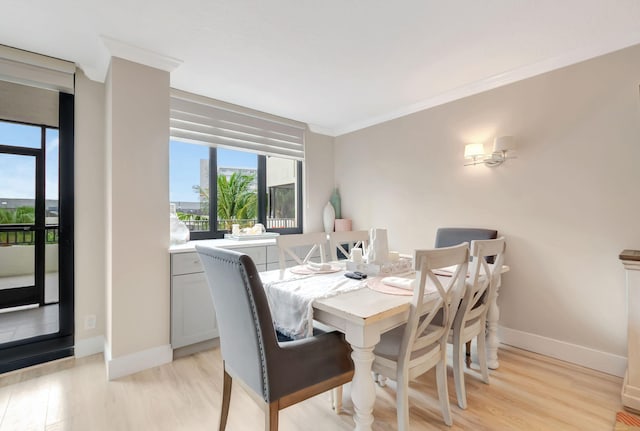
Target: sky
184, 167
17, 172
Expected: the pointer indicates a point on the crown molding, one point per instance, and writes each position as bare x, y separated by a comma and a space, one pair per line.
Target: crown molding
140, 55
495, 81
322, 130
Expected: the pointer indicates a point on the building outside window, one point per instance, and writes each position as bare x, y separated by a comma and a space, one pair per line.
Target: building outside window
233, 165
238, 189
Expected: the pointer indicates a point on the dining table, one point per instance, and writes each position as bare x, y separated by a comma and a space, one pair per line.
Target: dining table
362, 314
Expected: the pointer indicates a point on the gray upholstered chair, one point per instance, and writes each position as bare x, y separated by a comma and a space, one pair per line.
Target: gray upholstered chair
276, 374
448, 236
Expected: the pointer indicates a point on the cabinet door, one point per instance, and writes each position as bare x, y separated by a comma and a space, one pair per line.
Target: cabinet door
257, 253
185, 263
193, 317
273, 256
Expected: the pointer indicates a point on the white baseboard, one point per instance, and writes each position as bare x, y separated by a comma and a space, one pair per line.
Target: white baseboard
135, 362
579, 355
89, 346
630, 394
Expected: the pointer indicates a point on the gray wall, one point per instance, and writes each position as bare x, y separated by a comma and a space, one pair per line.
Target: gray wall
567, 205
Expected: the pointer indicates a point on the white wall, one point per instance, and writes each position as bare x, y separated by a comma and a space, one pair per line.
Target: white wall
138, 212
90, 183
567, 205
318, 179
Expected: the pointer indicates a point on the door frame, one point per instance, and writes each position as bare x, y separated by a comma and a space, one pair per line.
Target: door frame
49, 347
29, 295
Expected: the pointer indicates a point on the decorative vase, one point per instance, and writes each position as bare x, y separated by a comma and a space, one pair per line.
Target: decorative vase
378, 251
179, 232
328, 217
335, 201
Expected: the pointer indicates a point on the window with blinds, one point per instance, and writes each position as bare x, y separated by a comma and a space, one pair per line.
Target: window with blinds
230, 165
201, 120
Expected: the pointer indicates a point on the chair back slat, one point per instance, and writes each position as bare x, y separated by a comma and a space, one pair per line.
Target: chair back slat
419, 333
483, 280
290, 245
353, 239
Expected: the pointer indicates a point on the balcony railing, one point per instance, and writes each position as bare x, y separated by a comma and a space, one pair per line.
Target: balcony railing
27, 237
272, 223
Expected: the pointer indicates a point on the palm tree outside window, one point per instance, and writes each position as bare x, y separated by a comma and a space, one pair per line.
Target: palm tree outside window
249, 189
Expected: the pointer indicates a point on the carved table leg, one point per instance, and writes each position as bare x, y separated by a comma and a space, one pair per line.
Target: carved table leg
363, 390
493, 314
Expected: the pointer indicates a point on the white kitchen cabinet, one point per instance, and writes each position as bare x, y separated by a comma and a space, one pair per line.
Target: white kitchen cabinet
193, 316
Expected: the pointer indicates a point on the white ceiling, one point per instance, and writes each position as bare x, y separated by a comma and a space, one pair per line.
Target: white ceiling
338, 65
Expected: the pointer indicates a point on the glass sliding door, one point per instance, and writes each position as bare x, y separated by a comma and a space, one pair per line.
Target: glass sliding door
19, 270
51, 217
36, 296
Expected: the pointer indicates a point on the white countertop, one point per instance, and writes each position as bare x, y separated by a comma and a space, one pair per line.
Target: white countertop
223, 243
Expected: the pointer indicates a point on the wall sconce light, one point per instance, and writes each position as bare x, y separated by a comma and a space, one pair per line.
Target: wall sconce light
501, 146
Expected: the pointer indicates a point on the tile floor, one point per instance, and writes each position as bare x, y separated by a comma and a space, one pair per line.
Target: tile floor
17, 325
27, 322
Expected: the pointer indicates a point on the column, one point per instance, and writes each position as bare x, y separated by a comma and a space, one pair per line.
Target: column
137, 219
631, 386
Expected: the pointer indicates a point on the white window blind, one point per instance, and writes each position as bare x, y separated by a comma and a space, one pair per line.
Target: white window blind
202, 120
35, 70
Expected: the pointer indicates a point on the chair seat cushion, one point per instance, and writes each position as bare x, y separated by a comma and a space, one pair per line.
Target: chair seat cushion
389, 345
302, 363
390, 341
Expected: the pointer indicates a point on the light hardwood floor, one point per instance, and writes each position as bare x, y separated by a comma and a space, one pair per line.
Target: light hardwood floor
528, 392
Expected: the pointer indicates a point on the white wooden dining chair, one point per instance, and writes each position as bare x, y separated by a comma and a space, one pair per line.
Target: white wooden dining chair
410, 350
448, 236
352, 238
471, 318
311, 245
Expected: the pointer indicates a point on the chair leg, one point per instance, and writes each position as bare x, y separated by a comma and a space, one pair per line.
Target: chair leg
469, 354
443, 391
227, 381
271, 417
482, 356
402, 402
336, 399
380, 379
458, 374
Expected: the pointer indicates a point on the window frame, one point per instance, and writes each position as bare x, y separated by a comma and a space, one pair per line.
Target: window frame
213, 232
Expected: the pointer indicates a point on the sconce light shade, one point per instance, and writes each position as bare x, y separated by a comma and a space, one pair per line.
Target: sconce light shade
472, 151
501, 145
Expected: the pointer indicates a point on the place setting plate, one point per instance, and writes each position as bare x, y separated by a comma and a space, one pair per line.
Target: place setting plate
307, 270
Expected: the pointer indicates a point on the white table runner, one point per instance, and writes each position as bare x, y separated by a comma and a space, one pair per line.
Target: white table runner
291, 299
